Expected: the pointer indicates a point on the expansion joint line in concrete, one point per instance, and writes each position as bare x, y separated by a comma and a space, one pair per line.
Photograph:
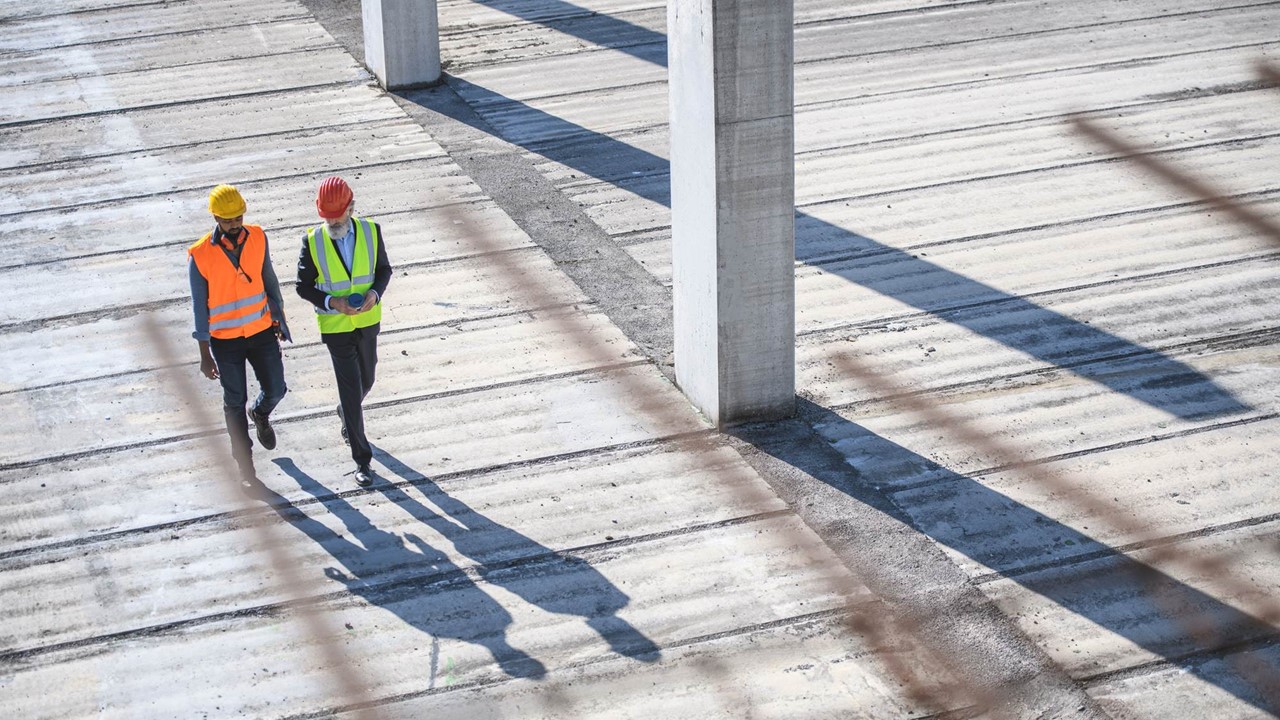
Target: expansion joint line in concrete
1122, 550
90, 158
1038, 120
193, 63
942, 313
83, 11
426, 159
169, 34
431, 582
365, 80
1049, 31
650, 445
831, 616
1265, 194
1063, 70
451, 323
1090, 162
1178, 662
302, 417
1251, 338
921, 11
623, 181
1097, 449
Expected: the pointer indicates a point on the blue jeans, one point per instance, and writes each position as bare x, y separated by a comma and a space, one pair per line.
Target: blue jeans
262, 352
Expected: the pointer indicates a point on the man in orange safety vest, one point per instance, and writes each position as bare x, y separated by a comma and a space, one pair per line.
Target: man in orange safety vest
239, 318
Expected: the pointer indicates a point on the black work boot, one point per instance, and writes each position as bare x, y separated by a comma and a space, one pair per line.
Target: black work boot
364, 475
266, 434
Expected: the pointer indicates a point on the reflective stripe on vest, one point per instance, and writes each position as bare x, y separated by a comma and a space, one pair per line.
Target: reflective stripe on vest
237, 297
243, 320
333, 279
237, 304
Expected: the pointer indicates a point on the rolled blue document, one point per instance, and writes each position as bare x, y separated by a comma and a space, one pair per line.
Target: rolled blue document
355, 300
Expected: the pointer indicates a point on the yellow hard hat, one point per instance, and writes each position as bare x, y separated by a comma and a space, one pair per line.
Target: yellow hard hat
225, 202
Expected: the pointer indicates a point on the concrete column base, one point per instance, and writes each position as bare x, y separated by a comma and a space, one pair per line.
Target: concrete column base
733, 206
402, 42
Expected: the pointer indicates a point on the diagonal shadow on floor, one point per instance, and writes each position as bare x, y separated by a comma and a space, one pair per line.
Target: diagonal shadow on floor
564, 584
1160, 381
1051, 337
1121, 595
430, 592
433, 594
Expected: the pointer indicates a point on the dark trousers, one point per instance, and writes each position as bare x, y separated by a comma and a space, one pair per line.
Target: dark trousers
262, 352
355, 360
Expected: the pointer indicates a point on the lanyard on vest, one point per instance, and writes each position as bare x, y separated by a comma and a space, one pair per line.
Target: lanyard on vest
234, 259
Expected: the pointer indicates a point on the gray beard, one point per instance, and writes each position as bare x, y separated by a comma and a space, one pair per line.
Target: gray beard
337, 231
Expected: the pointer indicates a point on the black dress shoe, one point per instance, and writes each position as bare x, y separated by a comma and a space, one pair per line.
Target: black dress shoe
266, 434
364, 476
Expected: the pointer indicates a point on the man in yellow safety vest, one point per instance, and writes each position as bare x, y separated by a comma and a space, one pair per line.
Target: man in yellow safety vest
343, 271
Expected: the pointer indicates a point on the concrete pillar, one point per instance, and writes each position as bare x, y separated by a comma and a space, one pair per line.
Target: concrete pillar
402, 42
733, 205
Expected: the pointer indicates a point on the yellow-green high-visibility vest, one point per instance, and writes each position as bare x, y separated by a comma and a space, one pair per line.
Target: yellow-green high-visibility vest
333, 278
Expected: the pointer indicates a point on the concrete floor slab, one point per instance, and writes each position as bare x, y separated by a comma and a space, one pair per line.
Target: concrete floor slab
186, 83
159, 578
508, 622
100, 22
1023, 280
161, 50
155, 128
1213, 690
1101, 616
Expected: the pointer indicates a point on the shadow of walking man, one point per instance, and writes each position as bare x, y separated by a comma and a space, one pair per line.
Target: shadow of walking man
406, 576
554, 581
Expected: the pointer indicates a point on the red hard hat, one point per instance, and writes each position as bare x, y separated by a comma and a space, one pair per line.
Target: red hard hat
333, 198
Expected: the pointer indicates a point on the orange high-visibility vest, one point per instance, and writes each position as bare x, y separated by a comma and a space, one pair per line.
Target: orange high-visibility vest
237, 297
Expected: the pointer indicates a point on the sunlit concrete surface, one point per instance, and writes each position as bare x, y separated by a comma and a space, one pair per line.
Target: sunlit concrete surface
956, 235
555, 533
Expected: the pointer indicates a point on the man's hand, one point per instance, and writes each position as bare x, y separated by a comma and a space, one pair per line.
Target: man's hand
341, 305
207, 366
370, 299
280, 326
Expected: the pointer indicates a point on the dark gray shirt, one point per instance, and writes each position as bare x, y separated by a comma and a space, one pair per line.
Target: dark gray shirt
200, 288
